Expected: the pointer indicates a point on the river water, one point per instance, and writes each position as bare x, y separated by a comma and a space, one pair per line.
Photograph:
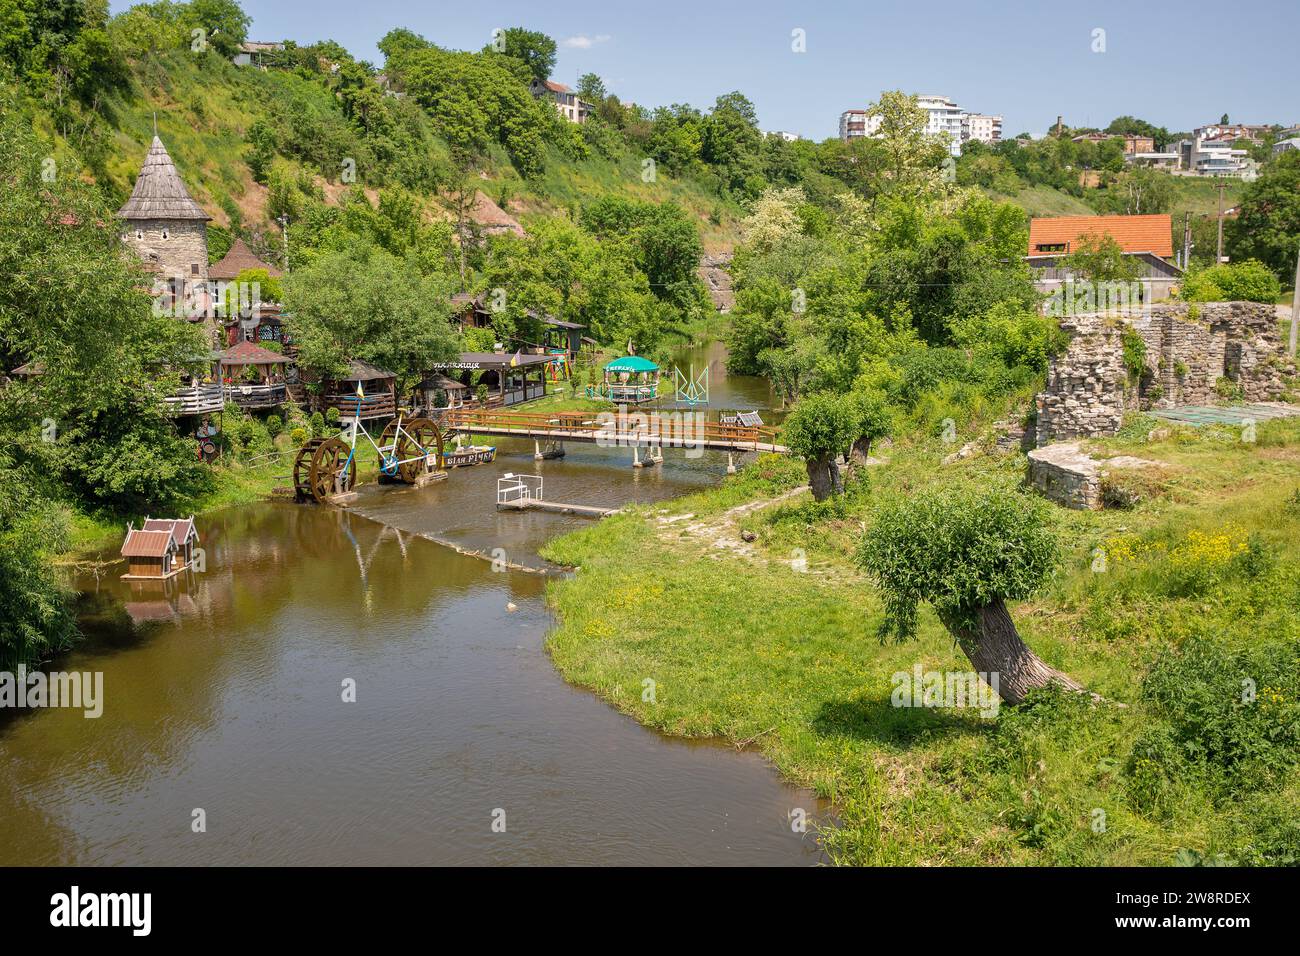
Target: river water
223, 693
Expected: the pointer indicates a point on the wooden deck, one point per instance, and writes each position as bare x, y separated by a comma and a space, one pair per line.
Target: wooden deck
640, 429
559, 507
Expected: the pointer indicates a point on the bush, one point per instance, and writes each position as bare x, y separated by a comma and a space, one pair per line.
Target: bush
1249, 281
273, 425
1226, 720
332, 416
1135, 353
299, 436
317, 421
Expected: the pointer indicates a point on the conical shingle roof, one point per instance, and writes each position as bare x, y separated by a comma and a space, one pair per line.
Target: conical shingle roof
159, 192
239, 259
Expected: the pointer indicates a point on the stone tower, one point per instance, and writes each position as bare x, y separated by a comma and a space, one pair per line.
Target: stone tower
166, 228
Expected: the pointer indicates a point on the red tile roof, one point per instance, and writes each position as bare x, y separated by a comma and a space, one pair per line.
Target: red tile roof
1153, 234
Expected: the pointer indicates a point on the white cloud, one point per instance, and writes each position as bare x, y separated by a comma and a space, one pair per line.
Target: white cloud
584, 42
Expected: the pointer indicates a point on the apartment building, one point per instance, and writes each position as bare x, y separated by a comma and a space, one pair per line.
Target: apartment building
981, 127
855, 123
944, 119
1212, 156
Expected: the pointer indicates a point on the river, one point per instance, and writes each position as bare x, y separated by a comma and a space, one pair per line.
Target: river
223, 693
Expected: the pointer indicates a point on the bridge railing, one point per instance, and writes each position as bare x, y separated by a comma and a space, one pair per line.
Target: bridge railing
669, 429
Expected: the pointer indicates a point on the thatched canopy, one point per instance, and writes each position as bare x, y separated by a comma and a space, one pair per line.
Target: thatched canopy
159, 192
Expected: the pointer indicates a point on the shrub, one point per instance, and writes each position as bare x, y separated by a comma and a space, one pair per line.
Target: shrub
1135, 353
1249, 281
273, 425
299, 436
1228, 720
332, 416
317, 421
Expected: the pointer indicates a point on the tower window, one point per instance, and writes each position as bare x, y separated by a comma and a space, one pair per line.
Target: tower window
164, 233
139, 234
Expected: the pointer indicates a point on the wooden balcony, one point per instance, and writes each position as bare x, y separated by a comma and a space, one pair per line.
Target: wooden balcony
378, 405
196, 400
257, 396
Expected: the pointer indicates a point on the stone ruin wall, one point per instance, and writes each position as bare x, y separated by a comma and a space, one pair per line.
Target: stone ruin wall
1088, 388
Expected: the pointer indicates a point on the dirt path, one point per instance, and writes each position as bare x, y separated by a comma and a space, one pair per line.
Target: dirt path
720, 534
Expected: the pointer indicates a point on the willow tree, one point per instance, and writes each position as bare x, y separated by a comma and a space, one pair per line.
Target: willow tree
967, 551
819, 430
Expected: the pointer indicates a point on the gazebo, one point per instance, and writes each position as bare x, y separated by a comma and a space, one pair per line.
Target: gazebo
376, 387
436, 382
631, 380
253, 376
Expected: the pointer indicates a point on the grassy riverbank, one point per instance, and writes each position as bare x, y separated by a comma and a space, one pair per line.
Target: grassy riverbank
772, 643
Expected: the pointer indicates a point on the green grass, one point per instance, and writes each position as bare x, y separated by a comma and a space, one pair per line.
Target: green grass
750, 649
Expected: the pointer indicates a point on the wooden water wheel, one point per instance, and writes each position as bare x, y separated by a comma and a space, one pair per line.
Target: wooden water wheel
332, 469
388, 470
419, 449
302, 470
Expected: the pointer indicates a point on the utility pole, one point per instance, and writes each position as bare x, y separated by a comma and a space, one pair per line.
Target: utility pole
1295, 308
1219, 253
1187, 241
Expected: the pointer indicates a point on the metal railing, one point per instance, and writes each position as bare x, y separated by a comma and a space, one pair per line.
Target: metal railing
513, 488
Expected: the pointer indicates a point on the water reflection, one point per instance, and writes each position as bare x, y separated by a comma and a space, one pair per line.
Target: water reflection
223, 692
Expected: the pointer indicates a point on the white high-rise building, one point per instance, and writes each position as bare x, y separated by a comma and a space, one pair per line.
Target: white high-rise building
944, 119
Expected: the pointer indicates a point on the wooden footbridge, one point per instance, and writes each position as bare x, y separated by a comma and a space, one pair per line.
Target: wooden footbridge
636, 429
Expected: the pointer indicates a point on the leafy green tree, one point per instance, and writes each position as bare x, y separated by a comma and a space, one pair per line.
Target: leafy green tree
591, 89
536, 51
1267, 226
72, 306
224, 21
35, 620
911, 156
820, 429
1100, 258
760, 321
966, 550
364, 303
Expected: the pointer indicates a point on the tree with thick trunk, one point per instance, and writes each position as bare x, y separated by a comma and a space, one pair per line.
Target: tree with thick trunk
967, 550
819, 429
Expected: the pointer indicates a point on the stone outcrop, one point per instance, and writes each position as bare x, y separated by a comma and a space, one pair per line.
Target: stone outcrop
1188, 349
1066, 474
713, 271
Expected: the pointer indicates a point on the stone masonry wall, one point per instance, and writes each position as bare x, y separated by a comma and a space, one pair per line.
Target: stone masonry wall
1188, 349
185, 247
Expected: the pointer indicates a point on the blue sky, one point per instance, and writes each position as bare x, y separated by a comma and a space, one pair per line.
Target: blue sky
1178, 65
